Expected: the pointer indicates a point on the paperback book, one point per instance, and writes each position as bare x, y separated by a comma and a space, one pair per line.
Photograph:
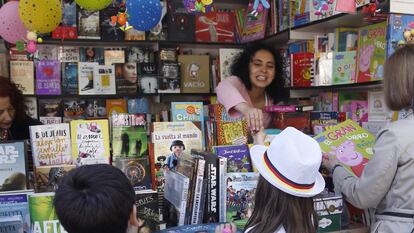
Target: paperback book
13, 170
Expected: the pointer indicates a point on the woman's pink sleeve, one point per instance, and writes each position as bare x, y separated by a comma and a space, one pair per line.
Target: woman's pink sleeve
231, 92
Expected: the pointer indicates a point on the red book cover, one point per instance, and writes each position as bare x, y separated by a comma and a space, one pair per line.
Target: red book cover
215, 27
65, 32
302, 69
299, 120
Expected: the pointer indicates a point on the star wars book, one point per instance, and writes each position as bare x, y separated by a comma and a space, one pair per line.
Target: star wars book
13, 168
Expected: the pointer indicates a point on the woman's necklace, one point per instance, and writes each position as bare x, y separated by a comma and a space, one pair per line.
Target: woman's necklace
4, 134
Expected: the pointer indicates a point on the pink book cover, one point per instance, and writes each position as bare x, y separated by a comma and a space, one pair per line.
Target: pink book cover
280, 108
359, 110
254, 25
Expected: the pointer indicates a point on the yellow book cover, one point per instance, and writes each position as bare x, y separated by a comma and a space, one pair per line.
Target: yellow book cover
90, 141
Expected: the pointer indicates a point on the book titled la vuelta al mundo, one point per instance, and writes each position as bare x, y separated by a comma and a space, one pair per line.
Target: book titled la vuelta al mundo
351, 144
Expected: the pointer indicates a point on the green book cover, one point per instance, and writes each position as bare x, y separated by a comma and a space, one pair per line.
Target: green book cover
129, 141
43, 218
351, 144
343, 70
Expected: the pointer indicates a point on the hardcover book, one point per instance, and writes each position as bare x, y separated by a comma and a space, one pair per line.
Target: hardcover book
215, 27
195, 73
13, 168
238, 157
43, 217
344, 67
399, 31
50, 144
302, 69
48, 77
90, 141
137, 170
351, 144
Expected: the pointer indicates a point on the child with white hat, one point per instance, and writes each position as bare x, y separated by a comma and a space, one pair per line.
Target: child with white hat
289, 178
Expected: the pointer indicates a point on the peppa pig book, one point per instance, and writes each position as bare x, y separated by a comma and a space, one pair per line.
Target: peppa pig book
351, 144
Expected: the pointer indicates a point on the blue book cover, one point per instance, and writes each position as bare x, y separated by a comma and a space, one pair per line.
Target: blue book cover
138, 105
11, 224
69, 13
15, 204
13, 166
399, 31
238, 157
205, 228
70, 78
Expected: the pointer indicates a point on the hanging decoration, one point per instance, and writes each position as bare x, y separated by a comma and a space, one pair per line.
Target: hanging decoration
257, 7
374, 13
145, 14
121, 19
12, 28
31, 42
198, 6
42, 16
93, 5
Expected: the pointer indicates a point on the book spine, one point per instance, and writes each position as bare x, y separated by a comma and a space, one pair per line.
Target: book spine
184, 197
212, 191
222, 188
198, 191
281, 108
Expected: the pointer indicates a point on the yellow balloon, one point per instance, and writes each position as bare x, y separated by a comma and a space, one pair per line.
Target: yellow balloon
93, 5
40, 15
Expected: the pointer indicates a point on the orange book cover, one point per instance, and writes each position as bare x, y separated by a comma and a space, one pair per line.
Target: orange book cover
116, 106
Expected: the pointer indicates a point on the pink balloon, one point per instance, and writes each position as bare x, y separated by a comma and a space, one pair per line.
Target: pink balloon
11, 27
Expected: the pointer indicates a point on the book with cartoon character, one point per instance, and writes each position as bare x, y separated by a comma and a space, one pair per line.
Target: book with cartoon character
400, 32
372, 45
350, 143
90, 141
195, 73
238, 157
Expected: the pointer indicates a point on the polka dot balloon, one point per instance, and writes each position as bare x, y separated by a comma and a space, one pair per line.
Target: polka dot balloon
144, 14
11, 27
93, 5
42, 16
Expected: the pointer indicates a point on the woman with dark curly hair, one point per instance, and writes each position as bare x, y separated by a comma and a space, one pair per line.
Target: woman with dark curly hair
257, 81
14, 122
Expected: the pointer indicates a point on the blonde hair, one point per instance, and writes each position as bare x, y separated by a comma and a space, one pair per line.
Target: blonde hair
399, 78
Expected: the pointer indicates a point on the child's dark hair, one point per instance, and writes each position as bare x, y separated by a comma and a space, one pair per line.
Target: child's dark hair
94, 199
276, 208
240, 68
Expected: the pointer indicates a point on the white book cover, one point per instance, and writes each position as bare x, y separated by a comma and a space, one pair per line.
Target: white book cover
47, 52
227, 57
104, 80
68, 54
22, 74
50, 120
85, 78
51, 144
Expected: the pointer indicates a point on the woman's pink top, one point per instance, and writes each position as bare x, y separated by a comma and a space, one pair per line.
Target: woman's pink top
231, 92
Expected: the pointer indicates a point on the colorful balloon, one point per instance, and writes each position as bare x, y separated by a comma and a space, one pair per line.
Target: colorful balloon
93, 5
40, 15
11, 27
144, 14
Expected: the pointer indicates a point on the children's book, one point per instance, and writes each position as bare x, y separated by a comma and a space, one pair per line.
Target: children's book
302, 69
195, 73
137, 170
343, 70
13, 168
399, 31
50, 144
43, 217
48, 77
16, 204
90, 141
47, 178
351, 144
240, 193
238, 157
371, 52
70, 78
321, 9
215, 27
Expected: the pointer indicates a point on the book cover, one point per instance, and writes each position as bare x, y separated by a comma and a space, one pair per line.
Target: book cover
114, 55
238, 157
399, 31
133, 34
359, 111
302, 69
231, 132
148, 209
74, 108
86, 78
95, 108
50, 120
187, 111
50, 144
254, 24
16, 204
47, 52
351, 144
377, 109
346, 39
88, 24
207, 228
170, 77
371, 52
92, 54
104, 80
48, 77
138, 54
50, 108
148, 80
70, 78
343, 70
226, 57
31, 107
138, 105
299, 120
13, 168
126, 77
129, 141
67, 28
195, 73
47, 178
43, 217
241, 191
176, 194
68, 54
90, 141
215, 27
137, 170
116, 106
321, 9
22, 74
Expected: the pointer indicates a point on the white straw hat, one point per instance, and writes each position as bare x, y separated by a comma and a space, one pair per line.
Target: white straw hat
291, 163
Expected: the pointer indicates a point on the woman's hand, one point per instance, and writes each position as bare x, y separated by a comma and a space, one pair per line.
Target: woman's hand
259, 137
226, 228
329, 161
253, 116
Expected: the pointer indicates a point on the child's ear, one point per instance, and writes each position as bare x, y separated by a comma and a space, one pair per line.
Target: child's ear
133, 220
